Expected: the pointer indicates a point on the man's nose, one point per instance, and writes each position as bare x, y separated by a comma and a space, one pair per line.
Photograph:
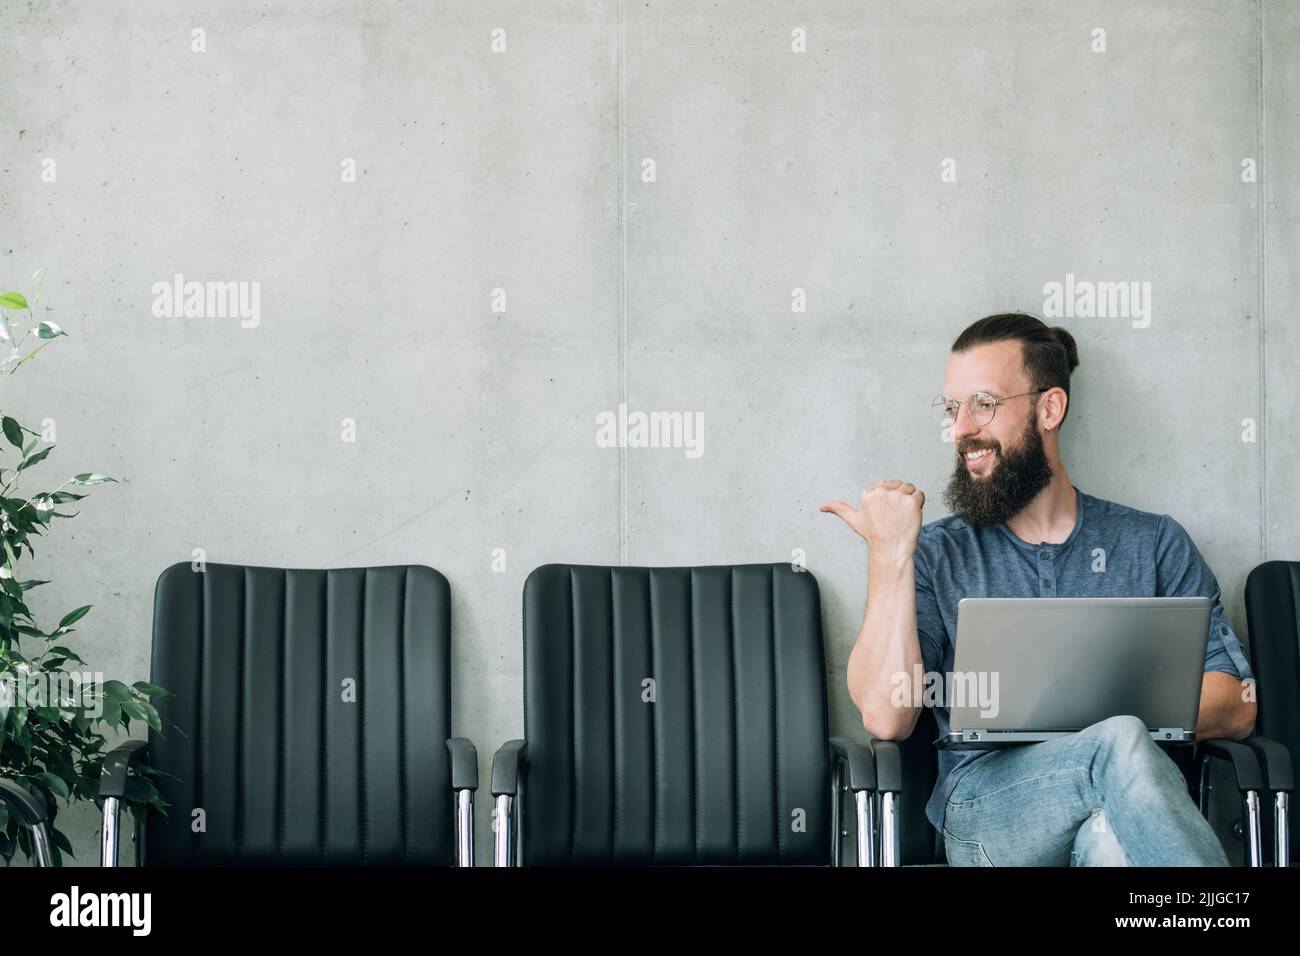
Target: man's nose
964, 427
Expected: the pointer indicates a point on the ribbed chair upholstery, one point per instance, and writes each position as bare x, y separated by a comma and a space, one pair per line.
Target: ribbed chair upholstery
311, 721
672, 716
1273, 624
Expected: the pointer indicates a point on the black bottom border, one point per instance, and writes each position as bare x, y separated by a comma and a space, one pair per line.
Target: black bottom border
216, 904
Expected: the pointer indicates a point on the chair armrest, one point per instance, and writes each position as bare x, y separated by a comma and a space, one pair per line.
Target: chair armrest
889, 766
31, 812
464, 781
112, 789
27, 807
1249, 780
1275, 760
506, 765
117, 764
464, 763
1245, 766
860, 760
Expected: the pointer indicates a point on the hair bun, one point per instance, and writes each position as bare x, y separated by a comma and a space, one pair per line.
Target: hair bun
1071, 349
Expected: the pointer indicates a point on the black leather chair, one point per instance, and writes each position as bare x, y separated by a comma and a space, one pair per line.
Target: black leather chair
677, 716
920, 844
1273, 625
310, 723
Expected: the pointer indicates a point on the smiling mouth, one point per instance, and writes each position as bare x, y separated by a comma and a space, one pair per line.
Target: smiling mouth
978, 457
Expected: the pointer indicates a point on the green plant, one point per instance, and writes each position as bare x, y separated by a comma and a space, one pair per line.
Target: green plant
54, 722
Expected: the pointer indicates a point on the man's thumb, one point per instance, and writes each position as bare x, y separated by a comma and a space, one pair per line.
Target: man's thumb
844, 511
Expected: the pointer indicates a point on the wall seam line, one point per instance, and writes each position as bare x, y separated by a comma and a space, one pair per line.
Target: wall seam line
622, 288
1262, 252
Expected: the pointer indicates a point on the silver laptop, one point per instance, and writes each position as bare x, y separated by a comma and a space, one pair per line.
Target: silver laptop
1028, 670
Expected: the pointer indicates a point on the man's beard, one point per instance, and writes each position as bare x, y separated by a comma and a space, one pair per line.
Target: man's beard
1018, 475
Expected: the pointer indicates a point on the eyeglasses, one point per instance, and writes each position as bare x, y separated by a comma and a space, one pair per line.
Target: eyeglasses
982, 407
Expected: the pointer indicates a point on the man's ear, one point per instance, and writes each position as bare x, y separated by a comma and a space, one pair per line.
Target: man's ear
1064, 401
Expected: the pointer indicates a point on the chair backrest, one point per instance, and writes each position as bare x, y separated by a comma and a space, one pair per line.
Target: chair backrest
312, 710
1273, 632
674, 716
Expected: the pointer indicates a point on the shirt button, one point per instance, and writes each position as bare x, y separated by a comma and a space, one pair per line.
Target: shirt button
1046, 583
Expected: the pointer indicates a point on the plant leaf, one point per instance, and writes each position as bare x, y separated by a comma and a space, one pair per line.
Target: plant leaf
13, 431
72, 617
34, 459
151, 716
153, 690
55, 783
62, 842
115, 690
135, 710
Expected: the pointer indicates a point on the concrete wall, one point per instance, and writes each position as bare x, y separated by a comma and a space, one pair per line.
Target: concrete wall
917, 166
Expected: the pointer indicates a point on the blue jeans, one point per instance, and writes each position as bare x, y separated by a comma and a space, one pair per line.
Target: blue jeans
1105, 796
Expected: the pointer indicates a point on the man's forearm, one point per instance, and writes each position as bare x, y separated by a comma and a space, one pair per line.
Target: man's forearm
889, 521
887, 645
1223, 711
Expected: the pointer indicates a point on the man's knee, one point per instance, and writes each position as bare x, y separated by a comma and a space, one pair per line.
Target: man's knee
1122, 732
1126, 755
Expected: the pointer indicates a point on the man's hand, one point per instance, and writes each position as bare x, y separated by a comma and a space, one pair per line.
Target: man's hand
889, 518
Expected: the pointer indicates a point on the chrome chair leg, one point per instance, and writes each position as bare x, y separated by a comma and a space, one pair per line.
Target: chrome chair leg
503, 837
109, 833
1281, 829
889, 836
464, 827
866, 808
41, 845
1254, 831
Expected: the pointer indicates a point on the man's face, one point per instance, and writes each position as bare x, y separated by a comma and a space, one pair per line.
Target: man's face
1010, 466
